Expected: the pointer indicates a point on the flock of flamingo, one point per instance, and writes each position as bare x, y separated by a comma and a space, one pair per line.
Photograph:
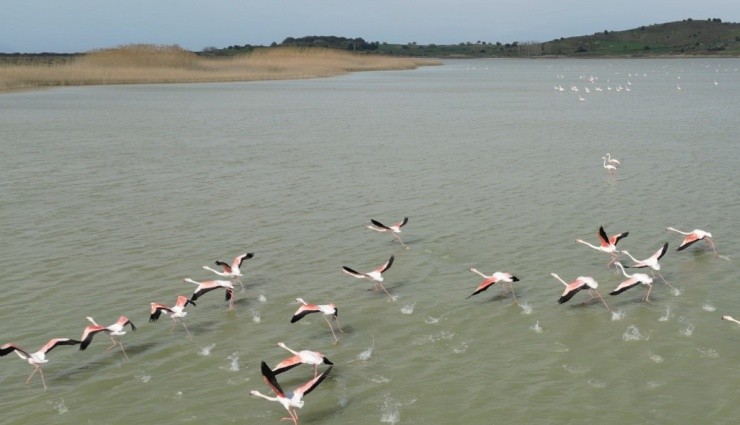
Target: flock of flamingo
292, 400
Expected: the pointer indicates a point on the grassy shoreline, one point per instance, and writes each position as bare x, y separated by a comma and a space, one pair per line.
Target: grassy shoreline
149, 64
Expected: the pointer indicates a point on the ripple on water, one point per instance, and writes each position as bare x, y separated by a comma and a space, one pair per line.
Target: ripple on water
656, 358
390, 410
365, 355
206, 351
431, 339
708, 307
59, 406
596, 383
408, 308
256, 316
526, 308
633, 334
618, 315
143, 377
708, 353
432, 320
666, 316
536, 327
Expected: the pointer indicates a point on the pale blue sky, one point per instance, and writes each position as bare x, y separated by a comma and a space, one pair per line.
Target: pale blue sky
81, 25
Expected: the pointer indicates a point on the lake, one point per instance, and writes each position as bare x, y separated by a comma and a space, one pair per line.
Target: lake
112, 195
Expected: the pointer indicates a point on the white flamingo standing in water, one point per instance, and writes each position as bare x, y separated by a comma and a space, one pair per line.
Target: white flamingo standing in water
39, 357
611, 160
606, 244
395, 229
694, 236
324, 309
612, 169
632, 281
494, 278
291, 400
581, 282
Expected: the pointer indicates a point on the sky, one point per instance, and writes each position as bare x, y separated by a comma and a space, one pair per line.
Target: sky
34, 26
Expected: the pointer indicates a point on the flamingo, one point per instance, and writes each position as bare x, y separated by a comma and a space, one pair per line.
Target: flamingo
210, 285
612, 169
175, 312
651, 262
395, 229
375, 276
731, 319
232, 271
324, 309
39, 357
694, 236
492, 279
581, 282
610, 160
291, 400
607, 244
313, 358
115, 329
632, 281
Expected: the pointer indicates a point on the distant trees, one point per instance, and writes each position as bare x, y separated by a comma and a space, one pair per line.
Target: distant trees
332, 42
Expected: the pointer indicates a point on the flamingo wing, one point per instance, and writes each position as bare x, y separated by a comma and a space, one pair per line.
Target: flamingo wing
688, 241
240, 259
224, 266
385, 266
9, 348
660, 253
353, 272
570, 291
627, 284
303, 311
310, 385
287, 364
54, 342
271, 380
204, 288
379, 224
156, 311
603, 238
88, 333
614, 240
483, 286
402, 222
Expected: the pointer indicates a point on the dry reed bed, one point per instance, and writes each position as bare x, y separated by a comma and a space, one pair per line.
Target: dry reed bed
137, 64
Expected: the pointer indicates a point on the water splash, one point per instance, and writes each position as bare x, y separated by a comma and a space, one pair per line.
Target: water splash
536, 327
461, 348
430, 339
675, 291
655, 384
633, 334
143, 377
262, 299
390, 410
59, 406
234, 358
380, 379
206, 351
724, 257
559, 347
656, 358
256, 316
575, 369
365, 355
618, 315
596, 383
432, 320
526, 308
666, 316
708, 353
708, 307
687, 330
408, 308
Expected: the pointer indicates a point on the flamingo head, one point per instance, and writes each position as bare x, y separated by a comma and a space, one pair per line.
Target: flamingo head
300, 300
281, 345
254, 393
727, 318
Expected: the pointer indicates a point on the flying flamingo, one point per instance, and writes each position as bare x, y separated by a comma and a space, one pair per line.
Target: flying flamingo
632, 281
395, 229
210, 285
232, 271
175, 312
731, 319
375, 276
692, 237
291, 400
324, 309
301, 357
607, 244
610, 160
581, 282
115, 329
651, 262
38, 358
612, 169
492, 279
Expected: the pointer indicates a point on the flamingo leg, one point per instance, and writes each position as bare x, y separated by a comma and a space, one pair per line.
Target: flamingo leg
605, 304
513, 293
186, 329
386, 291
337, 321
232, 302
123, 351
112, 345
663, 279
336, 340
399, 240
647, 295
711, 244
240, 283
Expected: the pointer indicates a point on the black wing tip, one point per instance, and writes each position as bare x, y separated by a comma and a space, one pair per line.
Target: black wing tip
327, 361
515, 279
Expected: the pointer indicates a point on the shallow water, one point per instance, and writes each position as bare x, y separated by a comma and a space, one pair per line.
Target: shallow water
112, 195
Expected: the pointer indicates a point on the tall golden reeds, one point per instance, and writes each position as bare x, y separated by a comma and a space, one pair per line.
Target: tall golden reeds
145, 63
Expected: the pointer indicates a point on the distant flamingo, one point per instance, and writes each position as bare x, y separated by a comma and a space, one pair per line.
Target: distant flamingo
115, 329
394, 229
375, 276
175, 312
607, 244
492, 279
731, 319
232, 271
632, 281
313, 358
694, 236
612, 169
324, 309
610, 160
38, 358
209, 285
581, 282
291, 400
